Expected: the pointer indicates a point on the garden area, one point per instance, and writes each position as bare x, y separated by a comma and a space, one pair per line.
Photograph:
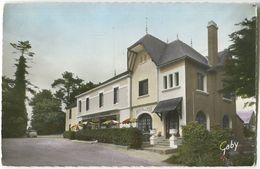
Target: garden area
201, 147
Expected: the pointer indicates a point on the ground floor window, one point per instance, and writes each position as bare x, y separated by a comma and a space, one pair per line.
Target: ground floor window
144, 123
225, 122
201, 118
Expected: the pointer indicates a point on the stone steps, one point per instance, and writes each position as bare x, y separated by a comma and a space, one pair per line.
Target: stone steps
162, 141
160, 149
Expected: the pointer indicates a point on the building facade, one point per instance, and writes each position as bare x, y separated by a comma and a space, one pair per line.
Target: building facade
71, 117
166, 85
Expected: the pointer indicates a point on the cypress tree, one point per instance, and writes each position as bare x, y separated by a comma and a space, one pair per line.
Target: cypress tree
15, 116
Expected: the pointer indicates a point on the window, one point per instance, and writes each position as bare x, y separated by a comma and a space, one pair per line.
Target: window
176, 76
201, 119
143, 87
165, 82
70, 114
87, 104
116, 95
80, 106
225, 123
200, 81
171, 80
101, 99
144, 123
69, 127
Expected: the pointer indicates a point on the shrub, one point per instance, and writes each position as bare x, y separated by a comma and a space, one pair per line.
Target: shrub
69, 134
244, 159
131, 137
201, 147
248, 132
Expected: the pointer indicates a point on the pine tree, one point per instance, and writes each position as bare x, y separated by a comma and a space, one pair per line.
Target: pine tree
240, 66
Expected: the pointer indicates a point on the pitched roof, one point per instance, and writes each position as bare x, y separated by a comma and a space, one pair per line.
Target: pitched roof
154, 46
163, 53
178, 49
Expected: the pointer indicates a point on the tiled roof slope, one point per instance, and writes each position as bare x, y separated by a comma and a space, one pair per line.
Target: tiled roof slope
163, 53
178, 49
154, 46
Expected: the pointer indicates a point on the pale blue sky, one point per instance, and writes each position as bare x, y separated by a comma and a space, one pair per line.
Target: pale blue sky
79, 37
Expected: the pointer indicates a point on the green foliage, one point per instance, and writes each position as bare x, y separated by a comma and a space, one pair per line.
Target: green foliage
47, 117
69, 135
14, 110
240, 66
69, 87
201, 147
131, 137
244, 159
248, 132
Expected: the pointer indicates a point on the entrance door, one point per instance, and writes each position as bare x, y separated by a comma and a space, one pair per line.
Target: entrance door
145, 125
171, 122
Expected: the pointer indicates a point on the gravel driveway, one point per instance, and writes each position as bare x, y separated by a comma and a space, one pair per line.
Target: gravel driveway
50, 151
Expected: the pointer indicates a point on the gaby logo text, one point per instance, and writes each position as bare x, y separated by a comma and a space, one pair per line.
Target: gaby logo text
224, 146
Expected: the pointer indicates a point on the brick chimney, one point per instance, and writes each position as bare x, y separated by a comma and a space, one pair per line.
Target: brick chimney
213, 43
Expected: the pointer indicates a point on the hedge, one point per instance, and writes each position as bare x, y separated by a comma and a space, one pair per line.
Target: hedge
131, 137
69, 134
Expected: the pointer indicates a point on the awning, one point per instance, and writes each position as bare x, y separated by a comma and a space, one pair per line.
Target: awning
168, 105
100, 115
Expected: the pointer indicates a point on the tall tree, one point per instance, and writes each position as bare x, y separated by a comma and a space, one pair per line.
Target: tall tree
240, 65
15, 116
7, 86
70, 86
47, 116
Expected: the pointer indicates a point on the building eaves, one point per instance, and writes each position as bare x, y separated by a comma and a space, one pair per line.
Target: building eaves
105, 82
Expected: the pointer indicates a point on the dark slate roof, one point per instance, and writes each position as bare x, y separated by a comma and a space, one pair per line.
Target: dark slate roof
178, 49
163, 53
167, 105
154, 46
115, 77
107, 81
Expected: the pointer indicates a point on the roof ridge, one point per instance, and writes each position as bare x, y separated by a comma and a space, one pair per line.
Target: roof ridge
194, 50
157, 38
166, 46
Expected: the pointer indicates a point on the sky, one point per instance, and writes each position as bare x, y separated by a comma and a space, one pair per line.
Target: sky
91, 39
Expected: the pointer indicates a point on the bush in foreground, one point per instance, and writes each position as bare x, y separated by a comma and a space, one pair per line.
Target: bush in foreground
69, 134
200, 147
131, 137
